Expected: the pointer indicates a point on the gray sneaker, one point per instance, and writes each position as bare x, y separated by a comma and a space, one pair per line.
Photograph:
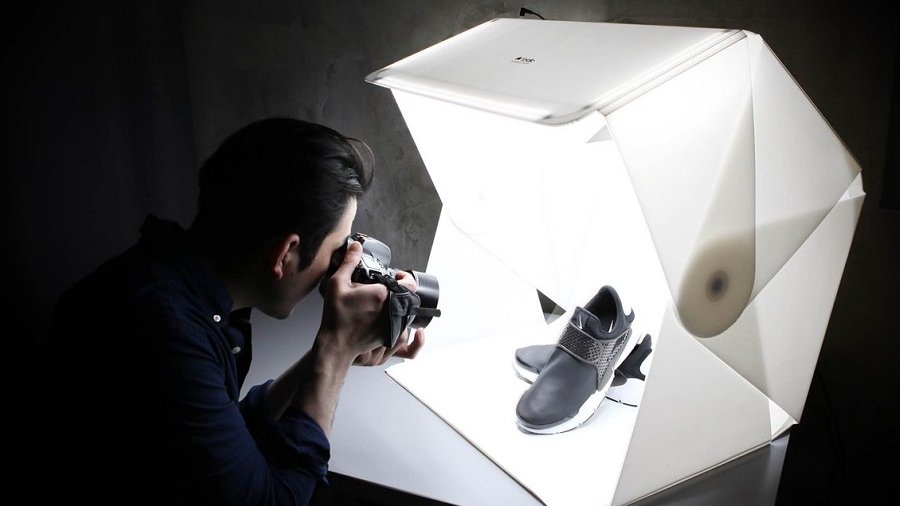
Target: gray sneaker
628, 382
574, 379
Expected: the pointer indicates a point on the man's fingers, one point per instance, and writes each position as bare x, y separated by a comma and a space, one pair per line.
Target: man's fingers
351, 260
406, 279
402, 349
411, 349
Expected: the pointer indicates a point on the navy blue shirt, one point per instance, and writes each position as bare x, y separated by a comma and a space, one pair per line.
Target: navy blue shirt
146, 365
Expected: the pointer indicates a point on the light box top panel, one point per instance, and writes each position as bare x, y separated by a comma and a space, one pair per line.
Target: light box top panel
552, 72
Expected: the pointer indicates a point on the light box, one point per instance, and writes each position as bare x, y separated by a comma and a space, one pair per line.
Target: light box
682, 166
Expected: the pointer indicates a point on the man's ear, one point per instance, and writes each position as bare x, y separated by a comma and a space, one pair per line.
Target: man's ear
284, 256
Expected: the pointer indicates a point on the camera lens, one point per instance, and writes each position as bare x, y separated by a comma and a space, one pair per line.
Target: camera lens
428, 292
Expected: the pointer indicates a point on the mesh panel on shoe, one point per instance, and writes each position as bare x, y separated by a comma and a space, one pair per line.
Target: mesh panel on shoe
599, 353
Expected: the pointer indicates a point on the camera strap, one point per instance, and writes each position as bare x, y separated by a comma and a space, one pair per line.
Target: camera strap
402, 307
425, 311
394, 287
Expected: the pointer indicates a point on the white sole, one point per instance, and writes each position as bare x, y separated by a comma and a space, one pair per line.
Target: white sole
628, 393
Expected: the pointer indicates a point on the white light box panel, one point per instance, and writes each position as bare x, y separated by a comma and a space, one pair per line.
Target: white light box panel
682, 166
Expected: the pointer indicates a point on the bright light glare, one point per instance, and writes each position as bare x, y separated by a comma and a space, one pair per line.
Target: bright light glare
555, 208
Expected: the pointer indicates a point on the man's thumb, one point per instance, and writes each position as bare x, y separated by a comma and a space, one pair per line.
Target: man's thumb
351, 260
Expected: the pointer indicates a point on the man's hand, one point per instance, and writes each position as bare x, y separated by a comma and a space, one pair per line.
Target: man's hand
352, 331
352, 322
404, 347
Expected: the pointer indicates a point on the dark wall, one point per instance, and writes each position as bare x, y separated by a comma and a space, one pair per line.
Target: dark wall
98, 133
310, 59
108, 108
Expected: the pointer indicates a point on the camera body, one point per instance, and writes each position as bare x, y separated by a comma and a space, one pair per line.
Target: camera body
373, 263
403, 308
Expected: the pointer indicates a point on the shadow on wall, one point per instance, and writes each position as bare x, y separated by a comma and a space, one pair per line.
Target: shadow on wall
98, 102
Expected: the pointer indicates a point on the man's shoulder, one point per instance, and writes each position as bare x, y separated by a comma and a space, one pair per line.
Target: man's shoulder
130, 285
132, 313
157, 286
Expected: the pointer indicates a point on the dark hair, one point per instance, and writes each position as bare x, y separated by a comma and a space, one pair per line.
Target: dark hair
276, 176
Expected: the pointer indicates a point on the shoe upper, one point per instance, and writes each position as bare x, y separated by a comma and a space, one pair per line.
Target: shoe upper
533, 358
585, 339
609, 315
582, 363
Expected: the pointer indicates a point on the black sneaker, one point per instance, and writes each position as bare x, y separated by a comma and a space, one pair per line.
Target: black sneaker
627, 385
574, 379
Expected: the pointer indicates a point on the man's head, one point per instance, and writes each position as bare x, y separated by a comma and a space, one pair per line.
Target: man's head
275, 178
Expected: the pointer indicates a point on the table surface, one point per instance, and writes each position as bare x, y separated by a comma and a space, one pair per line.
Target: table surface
384, 435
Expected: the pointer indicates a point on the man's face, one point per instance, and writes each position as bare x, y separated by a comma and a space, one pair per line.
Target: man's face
297, 284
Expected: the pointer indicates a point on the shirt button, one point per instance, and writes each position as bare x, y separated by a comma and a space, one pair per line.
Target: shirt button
217, 318
235, 350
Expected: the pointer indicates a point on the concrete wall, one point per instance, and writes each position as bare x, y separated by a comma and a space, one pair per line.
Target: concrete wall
113, 107
309, 60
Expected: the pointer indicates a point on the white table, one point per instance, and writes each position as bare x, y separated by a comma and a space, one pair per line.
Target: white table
385, 436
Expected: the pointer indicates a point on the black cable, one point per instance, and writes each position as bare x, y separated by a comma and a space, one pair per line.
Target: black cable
523, 11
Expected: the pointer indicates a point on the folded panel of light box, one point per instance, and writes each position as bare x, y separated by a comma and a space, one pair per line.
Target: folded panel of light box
683, 166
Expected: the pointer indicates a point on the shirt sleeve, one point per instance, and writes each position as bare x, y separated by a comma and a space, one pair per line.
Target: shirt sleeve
295, 437
235, 456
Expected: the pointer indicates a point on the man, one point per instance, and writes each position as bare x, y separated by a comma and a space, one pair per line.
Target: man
150, 351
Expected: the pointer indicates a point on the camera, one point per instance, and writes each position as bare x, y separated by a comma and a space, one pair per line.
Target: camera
404, 309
